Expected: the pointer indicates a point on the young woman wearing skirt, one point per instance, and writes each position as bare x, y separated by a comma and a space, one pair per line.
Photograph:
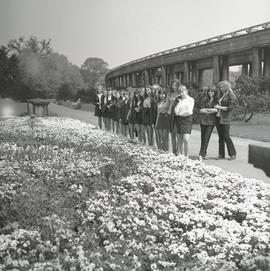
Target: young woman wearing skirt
109, 110
103, 109
171, 97
130, 117
117, 113
97, 103
148, 116
124, 108
163, 121
183, 111
137, 107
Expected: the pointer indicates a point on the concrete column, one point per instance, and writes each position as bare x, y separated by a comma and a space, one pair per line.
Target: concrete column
171, 74
266, 65
123, 81
181, 77
146, 78
163, 76
256, 62
245, 69
200, 78
194, 74
139, 79
120, 81
109, 83
133, 80
127, 80
154, 76
186, 79
130, 80
124, 84
216, 69
225, 68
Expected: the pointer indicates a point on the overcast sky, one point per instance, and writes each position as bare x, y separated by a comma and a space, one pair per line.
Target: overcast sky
122, 30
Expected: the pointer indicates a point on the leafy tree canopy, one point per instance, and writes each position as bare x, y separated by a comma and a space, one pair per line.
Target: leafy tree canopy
93, 71
42, 47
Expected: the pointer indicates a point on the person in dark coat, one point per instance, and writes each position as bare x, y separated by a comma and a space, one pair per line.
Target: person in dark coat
207, 119
117, 113
155, 94
225, 106
137, 112
131, 116
113, 113
148, 115
103, 109
97, 103
109, 109
124, 108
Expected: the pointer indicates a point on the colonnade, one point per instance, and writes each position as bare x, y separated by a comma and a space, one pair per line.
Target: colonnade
255, 63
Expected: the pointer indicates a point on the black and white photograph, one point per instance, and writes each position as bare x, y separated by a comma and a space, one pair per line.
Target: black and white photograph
135, 135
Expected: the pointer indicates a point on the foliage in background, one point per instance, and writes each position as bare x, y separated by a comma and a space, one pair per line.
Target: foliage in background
256, 91
87, 95
93, 71
30, 69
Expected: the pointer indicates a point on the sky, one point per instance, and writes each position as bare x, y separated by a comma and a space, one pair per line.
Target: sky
119, 31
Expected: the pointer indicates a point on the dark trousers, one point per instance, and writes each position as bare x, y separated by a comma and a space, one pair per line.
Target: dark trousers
224, 137
206, 131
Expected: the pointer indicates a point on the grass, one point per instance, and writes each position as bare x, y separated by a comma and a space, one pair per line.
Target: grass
258, 128
85, 106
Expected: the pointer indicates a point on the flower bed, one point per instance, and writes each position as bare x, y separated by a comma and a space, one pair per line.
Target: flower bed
76, 198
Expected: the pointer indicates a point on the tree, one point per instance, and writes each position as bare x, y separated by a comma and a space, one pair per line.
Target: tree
4, 63
86, 95
47, 74
93, 71
64, 92
256, 91
42, 48
10, 81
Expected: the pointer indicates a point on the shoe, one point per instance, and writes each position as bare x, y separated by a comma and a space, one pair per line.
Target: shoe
205, 158
220, 157
200, 158
233, 157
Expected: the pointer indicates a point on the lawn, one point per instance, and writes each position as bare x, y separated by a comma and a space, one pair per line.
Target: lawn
76, 198
258, 128
85, 106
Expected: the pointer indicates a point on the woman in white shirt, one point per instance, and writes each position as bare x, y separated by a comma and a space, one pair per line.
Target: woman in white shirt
183, 111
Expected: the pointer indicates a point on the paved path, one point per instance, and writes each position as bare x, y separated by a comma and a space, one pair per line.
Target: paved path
240, 165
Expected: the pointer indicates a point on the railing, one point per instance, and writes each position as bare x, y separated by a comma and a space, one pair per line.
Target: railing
241, 32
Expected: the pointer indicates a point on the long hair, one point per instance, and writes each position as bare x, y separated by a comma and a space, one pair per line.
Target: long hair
136, 99
162, 91
206, 99
177, 82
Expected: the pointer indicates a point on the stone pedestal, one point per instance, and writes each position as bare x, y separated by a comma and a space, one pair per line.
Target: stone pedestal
38, 107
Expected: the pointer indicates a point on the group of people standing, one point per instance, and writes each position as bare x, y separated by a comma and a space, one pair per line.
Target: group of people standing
152, 113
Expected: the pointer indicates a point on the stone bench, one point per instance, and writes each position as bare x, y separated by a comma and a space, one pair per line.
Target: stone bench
259, 156
38, 107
